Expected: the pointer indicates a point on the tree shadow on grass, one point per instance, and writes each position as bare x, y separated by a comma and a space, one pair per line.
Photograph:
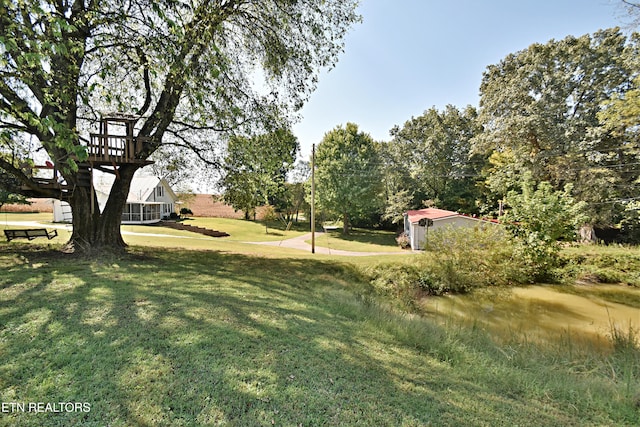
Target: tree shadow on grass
360, 235
200, 338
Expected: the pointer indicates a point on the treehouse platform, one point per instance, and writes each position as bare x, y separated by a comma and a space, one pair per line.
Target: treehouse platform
116, 144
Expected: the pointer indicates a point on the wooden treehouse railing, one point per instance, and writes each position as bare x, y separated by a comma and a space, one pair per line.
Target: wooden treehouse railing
114, 149
103, 149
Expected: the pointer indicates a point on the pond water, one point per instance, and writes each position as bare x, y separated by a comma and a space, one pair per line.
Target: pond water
543, 313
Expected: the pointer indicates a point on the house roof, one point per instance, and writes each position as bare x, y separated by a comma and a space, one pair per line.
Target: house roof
436, 214
429, 213
140, 190
142, 187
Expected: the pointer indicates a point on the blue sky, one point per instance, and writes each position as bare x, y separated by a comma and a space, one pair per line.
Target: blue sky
410, 55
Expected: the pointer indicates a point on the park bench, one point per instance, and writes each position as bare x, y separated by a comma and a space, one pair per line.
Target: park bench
30, 233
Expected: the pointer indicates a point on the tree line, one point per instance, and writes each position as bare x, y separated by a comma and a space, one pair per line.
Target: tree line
185, 72
563, 116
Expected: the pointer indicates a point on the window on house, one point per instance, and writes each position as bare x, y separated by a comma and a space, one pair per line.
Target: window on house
160, 191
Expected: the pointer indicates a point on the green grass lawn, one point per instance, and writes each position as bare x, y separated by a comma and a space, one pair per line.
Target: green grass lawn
240, 231
189, 330
200, 337
156, 236
248, 231
359, 240
43, 218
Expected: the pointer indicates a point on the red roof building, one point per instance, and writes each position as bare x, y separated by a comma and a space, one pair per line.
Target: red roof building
429, 213
418, 223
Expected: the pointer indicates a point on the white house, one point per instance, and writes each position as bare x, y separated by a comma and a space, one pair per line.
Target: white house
418, 223
150, 199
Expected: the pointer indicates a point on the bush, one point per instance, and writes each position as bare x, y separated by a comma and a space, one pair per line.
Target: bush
404, 283
457, 260
461, 259
539, 218
186, 211
602, 265
403, 240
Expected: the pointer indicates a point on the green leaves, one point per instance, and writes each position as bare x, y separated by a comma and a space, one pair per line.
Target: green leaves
8, 44
539, 217
348, 178
432, 155
189, 67
255, 168
542, 109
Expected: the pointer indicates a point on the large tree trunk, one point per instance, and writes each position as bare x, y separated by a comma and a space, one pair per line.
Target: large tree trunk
587, 234
345, 223
95, 231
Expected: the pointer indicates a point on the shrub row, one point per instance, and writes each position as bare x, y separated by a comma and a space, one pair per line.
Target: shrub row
457, 260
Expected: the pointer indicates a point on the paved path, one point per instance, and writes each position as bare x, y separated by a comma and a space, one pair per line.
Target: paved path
294, 243
300, 244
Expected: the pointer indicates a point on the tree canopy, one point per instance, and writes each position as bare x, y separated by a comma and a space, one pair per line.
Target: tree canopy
430, 157
348, 177
561, 112
540, 111
192, 72
256, 169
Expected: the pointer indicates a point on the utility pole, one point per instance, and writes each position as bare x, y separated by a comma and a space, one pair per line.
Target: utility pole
313, 199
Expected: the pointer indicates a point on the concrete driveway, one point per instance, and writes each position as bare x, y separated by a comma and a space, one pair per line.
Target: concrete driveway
300, 244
